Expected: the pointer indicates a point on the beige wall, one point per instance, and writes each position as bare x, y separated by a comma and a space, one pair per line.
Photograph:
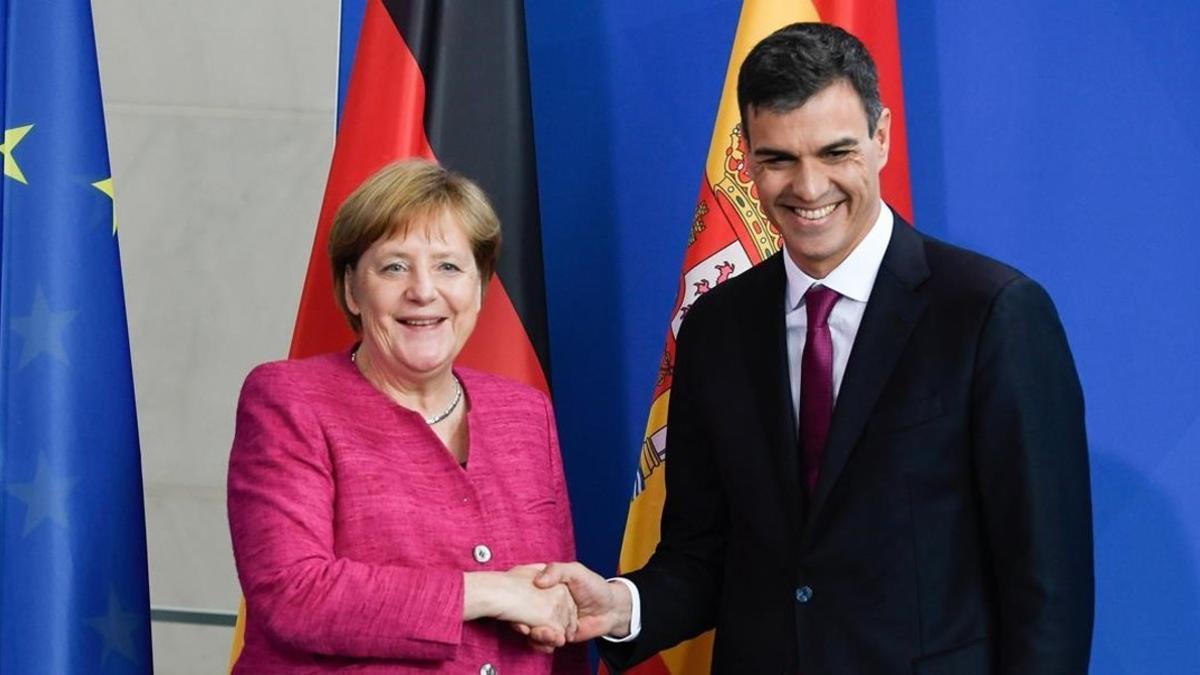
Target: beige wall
220, 126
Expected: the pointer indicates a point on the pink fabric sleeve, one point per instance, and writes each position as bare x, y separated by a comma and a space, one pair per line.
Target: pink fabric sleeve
571, 659
280, 502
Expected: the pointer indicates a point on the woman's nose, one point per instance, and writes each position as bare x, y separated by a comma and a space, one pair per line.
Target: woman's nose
421, 287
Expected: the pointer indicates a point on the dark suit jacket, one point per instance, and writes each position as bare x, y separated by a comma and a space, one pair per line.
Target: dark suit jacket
950, 529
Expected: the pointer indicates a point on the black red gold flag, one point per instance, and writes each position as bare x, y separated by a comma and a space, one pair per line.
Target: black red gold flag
448, 82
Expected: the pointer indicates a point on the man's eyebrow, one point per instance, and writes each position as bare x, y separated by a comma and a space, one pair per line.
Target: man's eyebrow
768, 152
840, 144
846, 143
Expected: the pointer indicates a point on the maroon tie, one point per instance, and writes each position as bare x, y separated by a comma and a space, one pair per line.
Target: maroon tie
816, 382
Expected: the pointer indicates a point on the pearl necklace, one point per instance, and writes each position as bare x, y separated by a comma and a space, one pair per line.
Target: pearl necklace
433, 419
450, 408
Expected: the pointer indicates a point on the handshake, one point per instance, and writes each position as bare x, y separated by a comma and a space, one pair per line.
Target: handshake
551, 604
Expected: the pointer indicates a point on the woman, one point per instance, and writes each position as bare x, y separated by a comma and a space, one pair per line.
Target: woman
384, 505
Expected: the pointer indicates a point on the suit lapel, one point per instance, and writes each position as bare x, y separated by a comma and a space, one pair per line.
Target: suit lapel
767, 364
892, 311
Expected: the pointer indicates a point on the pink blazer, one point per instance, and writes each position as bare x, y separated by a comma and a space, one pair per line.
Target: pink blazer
352, 526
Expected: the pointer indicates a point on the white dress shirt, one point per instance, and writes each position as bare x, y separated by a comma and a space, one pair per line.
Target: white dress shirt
853, 279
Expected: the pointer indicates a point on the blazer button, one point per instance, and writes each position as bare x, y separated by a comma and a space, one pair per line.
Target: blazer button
482, 554
804, 594
488, 669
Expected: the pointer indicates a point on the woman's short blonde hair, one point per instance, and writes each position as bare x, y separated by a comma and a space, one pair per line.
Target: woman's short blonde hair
393, 200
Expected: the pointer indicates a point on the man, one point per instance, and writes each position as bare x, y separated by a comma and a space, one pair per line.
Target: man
878, 462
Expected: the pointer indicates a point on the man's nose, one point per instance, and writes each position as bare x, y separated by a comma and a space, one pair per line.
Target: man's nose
809, 182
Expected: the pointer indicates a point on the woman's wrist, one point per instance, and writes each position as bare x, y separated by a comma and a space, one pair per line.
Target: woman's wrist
483, 594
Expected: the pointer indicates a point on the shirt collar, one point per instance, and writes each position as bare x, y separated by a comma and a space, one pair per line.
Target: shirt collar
855, 276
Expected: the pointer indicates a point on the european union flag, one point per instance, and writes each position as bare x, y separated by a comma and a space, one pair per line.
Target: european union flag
73, 584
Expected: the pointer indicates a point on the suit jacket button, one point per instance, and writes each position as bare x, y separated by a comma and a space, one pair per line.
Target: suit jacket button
488, 669
482, 554
804, 594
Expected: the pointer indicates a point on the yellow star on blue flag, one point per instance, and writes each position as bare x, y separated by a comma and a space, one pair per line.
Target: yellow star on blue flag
45, 496
106, 186
42, 330
11, 138
117, 628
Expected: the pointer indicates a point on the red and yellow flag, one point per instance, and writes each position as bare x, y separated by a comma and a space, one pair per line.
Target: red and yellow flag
730, 233
421, 68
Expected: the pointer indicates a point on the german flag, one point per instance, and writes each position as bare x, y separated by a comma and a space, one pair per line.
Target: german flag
449, 82
730, 233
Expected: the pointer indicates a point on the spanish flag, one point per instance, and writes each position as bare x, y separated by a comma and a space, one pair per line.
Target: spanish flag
730, 233
448, 82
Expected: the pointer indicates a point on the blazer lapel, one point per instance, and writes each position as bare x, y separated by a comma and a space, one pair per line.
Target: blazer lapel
892, 311
766, 358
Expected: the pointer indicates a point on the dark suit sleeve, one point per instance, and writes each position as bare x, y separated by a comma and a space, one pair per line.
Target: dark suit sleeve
680, 585
1031, 468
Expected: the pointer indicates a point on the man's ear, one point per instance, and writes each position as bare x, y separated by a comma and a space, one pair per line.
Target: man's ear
883, 135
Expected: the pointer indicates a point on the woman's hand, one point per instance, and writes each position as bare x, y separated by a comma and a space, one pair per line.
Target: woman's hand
511, 596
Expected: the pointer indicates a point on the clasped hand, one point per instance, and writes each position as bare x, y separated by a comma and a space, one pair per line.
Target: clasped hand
566, 602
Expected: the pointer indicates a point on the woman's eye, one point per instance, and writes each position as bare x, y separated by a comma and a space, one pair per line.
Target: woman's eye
393, 267
450, 267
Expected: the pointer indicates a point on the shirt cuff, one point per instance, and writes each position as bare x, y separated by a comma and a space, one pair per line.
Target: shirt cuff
635, 612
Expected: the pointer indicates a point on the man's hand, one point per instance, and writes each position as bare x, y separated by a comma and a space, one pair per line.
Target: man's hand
603, 608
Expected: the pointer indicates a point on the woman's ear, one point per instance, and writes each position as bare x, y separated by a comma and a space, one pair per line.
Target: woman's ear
348, 290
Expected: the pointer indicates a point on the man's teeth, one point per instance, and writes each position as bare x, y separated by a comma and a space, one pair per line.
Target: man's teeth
815, 214
419, 322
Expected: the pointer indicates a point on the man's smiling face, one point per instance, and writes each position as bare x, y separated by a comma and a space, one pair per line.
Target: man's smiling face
817, 171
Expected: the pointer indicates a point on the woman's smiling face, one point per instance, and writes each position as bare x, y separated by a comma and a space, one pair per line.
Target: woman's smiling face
418, 294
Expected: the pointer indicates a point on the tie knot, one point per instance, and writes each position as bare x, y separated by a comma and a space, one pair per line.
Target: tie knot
819, 302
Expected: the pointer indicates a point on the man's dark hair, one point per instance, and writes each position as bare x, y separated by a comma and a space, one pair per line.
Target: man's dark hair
795, 62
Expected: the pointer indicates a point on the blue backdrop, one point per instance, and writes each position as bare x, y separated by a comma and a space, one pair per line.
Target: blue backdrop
1058, 138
